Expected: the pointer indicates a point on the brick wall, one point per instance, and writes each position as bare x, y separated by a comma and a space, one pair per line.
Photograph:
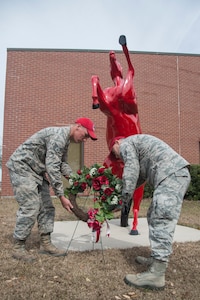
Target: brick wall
52, 87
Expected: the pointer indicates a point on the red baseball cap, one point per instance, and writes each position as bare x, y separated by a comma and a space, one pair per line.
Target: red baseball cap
111, 156
89, 125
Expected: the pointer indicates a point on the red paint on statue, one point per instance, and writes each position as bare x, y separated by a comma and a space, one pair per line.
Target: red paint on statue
119, 104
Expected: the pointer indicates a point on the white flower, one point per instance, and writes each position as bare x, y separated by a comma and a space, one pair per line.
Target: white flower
93, 171
71, 181
118, 187
114, 200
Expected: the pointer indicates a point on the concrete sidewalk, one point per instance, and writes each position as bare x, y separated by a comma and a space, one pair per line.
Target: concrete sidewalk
77, 236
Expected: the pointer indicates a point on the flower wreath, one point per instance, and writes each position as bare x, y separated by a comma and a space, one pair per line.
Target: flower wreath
106, 189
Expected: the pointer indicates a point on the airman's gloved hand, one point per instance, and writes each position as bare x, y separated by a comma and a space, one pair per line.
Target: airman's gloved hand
126, 204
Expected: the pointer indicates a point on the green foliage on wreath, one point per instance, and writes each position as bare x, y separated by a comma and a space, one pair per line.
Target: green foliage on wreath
102, 184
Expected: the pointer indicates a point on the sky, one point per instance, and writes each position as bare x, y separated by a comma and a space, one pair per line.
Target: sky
171, 26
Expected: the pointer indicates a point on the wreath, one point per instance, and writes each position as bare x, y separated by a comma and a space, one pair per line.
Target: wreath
105, 188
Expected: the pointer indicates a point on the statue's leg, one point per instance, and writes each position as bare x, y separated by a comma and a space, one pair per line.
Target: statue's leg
138, 196
134, 230
95, 83
123, 43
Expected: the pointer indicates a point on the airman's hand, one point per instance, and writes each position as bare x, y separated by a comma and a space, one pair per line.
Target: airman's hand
66, 203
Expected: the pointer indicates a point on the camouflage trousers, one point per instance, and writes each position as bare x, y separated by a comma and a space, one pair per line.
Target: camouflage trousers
164, 212
35, 204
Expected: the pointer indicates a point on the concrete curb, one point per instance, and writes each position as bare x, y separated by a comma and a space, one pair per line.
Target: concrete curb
77, 236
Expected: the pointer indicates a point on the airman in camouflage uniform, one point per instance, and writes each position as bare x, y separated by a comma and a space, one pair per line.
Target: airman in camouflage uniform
148, 159
37, 163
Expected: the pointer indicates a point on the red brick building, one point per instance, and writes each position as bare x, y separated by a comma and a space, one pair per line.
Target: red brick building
52, 87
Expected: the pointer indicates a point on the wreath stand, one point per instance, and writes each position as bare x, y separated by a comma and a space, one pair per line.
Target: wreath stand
82, 216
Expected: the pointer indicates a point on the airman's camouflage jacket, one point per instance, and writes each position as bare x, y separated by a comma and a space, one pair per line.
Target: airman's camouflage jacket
147, 159
44, 152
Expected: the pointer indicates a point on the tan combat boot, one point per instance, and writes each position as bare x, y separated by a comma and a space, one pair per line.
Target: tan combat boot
144, 260
46, 247
20, 253
154, 278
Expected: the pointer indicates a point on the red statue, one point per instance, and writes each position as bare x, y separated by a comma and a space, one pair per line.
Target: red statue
119, 104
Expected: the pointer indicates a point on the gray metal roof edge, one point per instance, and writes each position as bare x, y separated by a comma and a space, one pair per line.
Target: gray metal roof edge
100, 51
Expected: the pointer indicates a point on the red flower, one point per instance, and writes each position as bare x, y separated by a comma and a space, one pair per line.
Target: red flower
101, 170
92, 212
79, 172
83, 186
88, 176
76, 183
96, 184
108, 191
103, 198
103, 180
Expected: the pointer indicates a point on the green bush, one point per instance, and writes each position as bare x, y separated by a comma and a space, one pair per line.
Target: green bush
148, 191
193, 192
